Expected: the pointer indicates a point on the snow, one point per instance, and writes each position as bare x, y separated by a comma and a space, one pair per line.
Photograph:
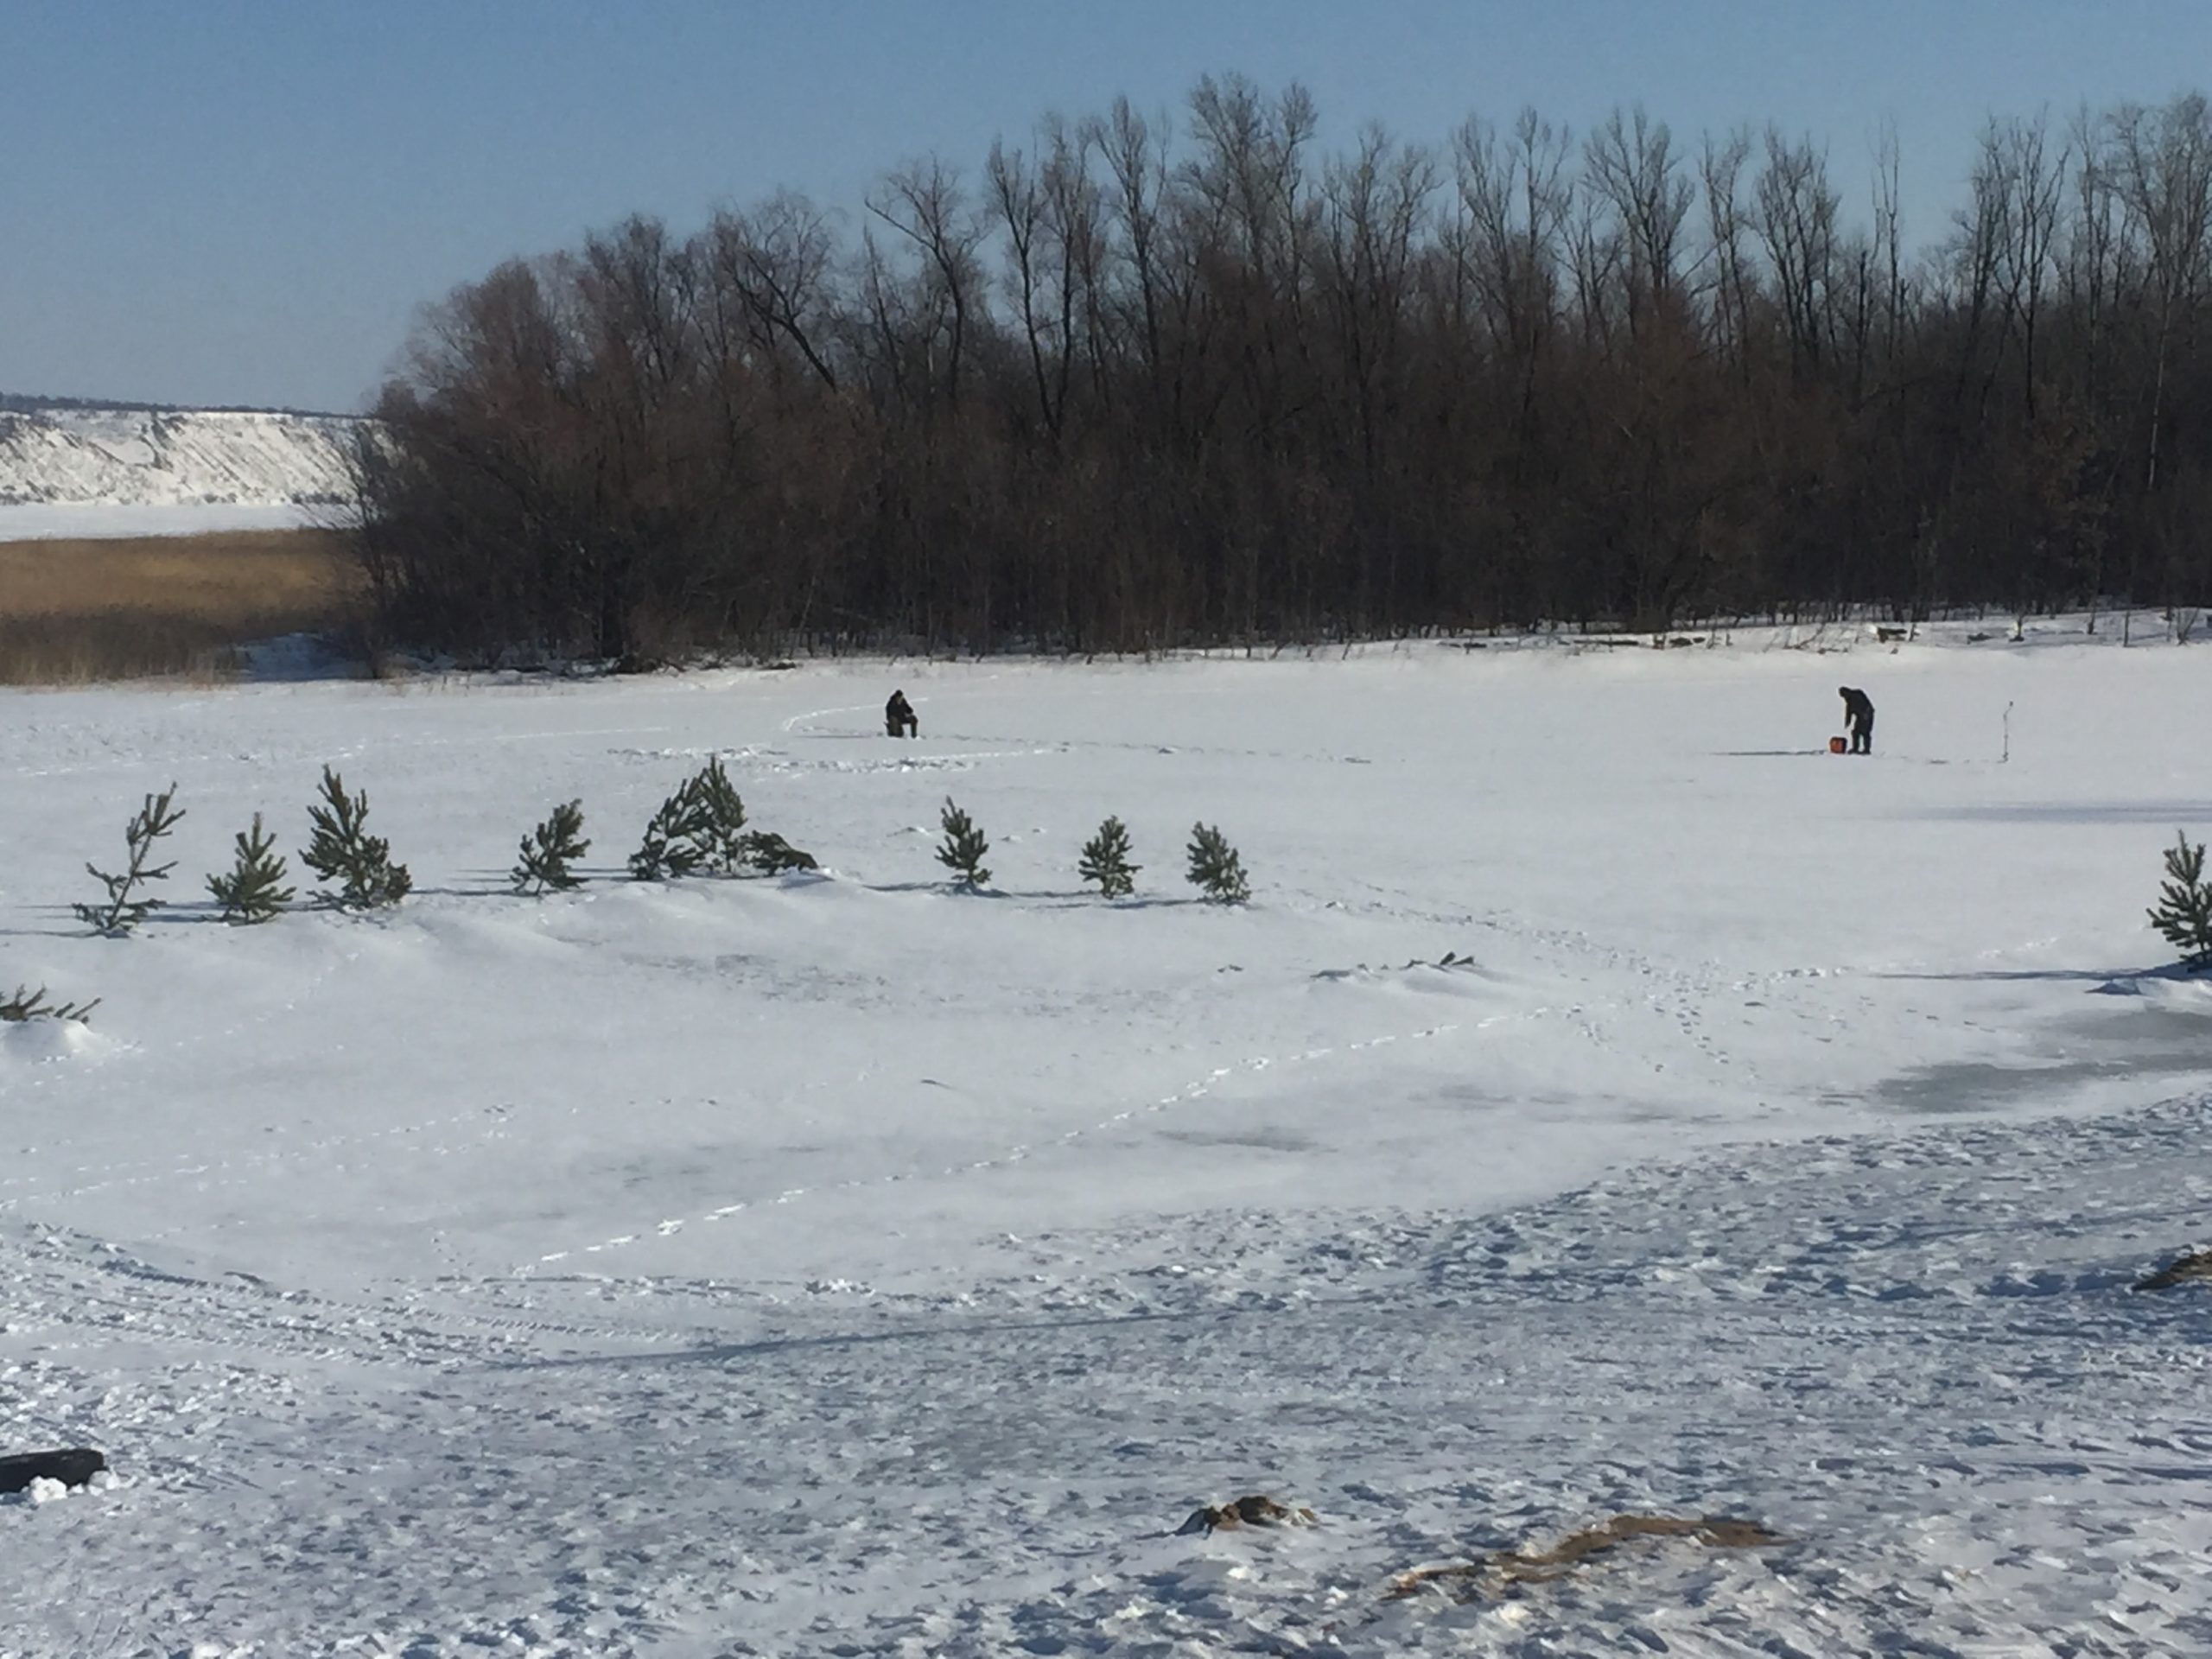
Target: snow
125, 472
839, 1264
108, 520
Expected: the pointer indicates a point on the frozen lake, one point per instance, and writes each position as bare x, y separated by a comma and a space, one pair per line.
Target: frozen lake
843, 1264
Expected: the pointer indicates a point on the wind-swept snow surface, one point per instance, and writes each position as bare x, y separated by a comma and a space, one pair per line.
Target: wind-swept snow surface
843, 1265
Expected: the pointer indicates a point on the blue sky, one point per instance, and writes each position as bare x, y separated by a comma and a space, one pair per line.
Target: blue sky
224, 201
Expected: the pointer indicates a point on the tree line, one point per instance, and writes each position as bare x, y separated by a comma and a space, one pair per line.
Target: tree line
1136, 384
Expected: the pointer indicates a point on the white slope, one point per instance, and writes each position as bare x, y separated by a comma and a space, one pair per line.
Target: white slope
844, 1265
122, 465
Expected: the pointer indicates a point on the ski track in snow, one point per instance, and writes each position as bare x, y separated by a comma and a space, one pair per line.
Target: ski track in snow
846, 1267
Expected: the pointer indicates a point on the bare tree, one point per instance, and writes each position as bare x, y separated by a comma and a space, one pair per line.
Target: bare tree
777, 263
1124, 389
1720, 172
924, 203
2161, 162
1796, 221
1631, 164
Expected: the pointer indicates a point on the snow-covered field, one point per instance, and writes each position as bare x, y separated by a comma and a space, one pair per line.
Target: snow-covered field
844, 1265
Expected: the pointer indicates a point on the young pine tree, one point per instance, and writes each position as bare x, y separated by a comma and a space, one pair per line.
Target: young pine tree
2183, 913
341, 851
671, 848
721, 818
1215, 869
1106, 861
769, 853
121, 911
24, 1004
254, 891
963, 848
701, 826
549, 850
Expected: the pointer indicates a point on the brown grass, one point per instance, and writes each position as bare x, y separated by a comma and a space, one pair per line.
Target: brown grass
2191, 1267
77, 611
1490, 1574
1255, 1510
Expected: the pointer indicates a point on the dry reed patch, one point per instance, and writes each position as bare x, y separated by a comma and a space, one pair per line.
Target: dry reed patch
2191, 1267
72, 610
1503, 1569
1253, 1510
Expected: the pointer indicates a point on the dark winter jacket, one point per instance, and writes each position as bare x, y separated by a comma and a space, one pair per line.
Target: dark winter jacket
1858, 706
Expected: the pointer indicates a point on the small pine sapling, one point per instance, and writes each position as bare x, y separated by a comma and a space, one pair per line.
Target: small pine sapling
21, 1005
671, 847
254, 890
769, 853
121, 911
341, 851
2183, 913
963, 849
548, 851
721, 818
1215, 869
1106, 861
701, 826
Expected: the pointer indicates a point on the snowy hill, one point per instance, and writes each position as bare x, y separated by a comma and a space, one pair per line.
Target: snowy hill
149, 458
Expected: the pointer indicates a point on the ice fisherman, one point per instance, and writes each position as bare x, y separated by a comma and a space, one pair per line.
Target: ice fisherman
1857, 718
899, 717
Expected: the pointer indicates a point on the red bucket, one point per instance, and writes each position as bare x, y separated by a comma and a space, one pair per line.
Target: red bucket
1837, 746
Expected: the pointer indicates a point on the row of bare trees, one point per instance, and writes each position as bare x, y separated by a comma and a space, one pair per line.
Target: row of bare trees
1124, 388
